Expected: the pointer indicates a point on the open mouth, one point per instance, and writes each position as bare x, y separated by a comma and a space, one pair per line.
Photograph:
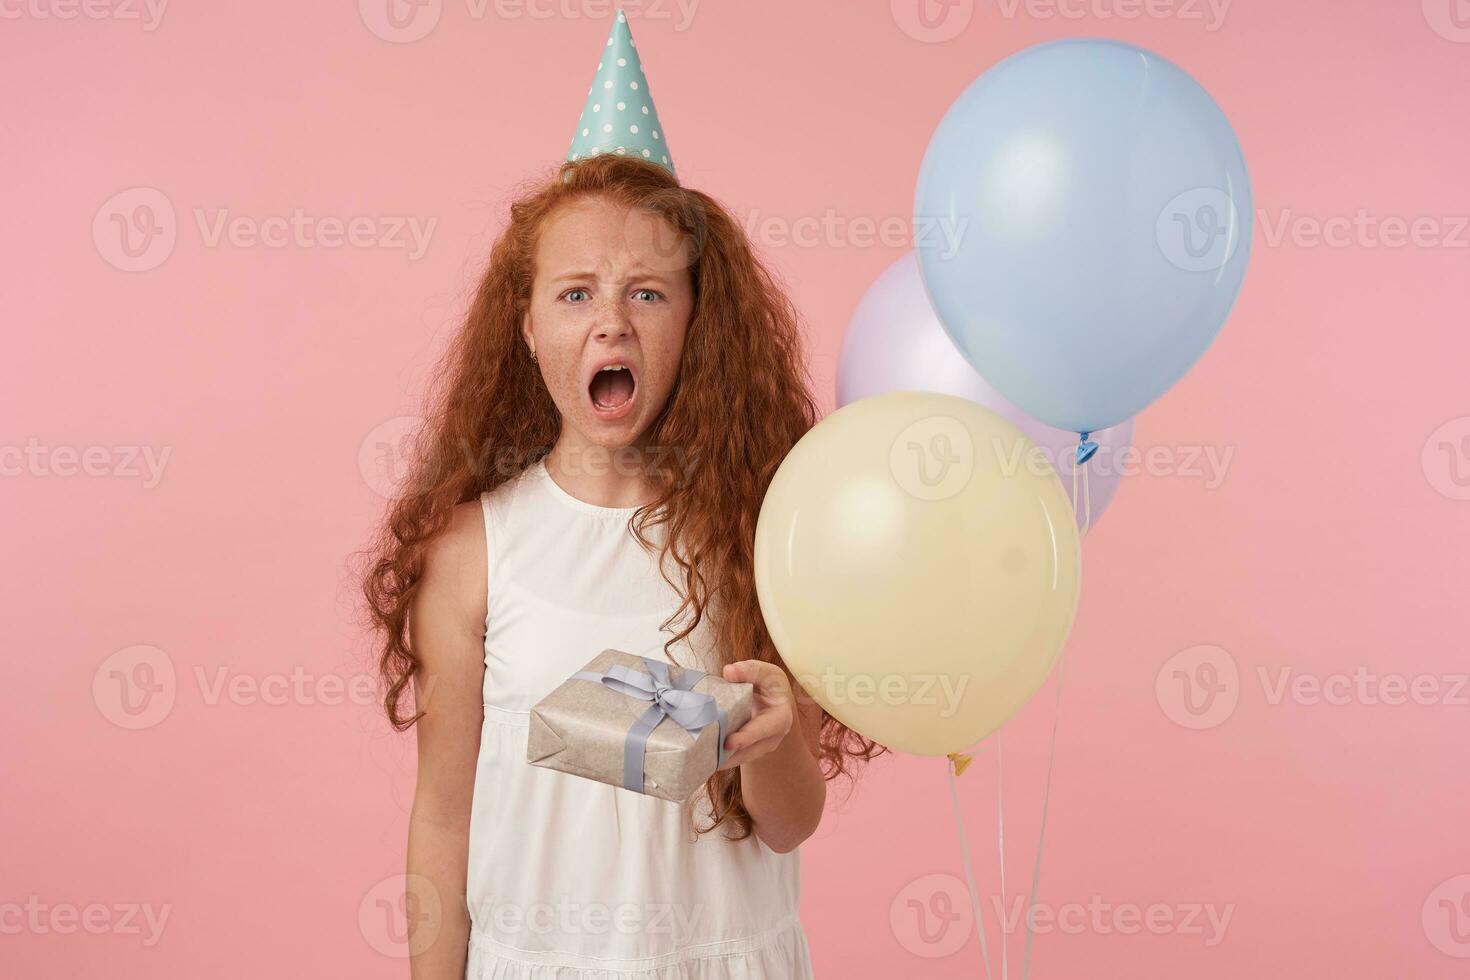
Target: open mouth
612, 390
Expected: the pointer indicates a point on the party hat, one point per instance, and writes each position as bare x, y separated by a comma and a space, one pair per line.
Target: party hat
619, 116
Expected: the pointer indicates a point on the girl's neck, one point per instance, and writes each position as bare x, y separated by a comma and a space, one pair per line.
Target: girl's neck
601, 476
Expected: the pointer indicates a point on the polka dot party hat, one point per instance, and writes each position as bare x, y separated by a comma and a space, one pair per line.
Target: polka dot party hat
619, 116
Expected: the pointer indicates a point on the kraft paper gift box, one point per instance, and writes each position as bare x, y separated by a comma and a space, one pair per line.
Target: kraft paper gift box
638, 723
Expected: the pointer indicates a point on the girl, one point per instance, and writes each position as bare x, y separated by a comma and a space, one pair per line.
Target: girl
627, 382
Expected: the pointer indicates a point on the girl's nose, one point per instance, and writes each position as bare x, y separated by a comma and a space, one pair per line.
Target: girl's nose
612, 320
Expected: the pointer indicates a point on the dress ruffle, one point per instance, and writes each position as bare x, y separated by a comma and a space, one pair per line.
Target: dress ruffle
781, 954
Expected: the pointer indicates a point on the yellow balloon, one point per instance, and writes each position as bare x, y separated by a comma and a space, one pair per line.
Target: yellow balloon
918, 564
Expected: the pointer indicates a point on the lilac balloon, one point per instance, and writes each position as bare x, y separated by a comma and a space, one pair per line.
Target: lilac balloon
895, 342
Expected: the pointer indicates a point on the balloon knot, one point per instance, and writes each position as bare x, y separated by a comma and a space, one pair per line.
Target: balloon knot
1086, 449
960, 762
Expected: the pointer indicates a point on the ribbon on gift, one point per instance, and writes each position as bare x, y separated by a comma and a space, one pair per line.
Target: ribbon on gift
689, 709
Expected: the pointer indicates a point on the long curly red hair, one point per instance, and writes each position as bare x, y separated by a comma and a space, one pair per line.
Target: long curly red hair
740, 403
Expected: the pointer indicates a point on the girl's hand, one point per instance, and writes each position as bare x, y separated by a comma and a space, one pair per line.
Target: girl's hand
774, 711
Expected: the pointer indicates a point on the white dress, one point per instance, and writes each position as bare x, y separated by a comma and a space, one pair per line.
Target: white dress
569, 877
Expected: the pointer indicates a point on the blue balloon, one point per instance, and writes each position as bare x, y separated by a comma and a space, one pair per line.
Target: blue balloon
1083, 220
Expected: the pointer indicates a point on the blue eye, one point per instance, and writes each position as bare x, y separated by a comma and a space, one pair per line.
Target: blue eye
571, 292
653, 294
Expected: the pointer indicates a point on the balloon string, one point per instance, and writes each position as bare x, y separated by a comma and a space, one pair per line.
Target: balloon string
954, 798
1051, 757
1000, 845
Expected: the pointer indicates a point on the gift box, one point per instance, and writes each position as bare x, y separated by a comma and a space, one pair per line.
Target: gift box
642, 724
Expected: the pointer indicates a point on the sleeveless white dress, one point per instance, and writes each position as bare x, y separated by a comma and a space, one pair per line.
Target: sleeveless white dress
569, 877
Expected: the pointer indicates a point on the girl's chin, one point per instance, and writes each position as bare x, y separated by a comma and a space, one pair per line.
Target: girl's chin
623, 427
611, 436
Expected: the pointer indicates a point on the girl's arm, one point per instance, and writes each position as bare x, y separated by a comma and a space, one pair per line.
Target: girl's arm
780, 779
447, 634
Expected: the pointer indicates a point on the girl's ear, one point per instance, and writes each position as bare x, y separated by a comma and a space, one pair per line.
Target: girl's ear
526, 331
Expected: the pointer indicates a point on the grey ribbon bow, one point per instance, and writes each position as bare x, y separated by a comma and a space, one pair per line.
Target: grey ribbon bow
689, 709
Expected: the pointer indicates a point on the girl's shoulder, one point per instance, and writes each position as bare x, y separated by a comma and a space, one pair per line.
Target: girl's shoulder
455, 562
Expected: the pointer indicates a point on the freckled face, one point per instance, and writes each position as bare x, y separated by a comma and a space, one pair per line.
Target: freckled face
605, 290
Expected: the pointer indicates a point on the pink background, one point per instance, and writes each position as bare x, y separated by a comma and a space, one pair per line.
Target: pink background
270, 827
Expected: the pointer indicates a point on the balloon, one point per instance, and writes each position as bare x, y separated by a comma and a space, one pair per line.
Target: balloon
895, 342
916, 587
1096, 222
